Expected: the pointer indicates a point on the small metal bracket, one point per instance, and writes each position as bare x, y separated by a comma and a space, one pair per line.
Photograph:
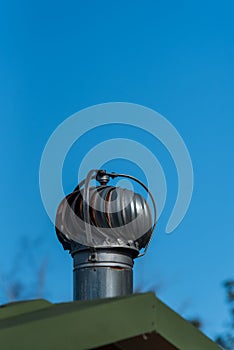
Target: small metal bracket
93, 257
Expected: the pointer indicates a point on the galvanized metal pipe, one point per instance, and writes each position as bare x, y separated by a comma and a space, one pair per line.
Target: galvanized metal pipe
104, 273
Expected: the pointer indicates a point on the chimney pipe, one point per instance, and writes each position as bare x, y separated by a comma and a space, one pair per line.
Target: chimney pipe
105, 273
104, 228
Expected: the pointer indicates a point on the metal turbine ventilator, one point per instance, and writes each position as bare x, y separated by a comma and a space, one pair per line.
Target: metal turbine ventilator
105, 228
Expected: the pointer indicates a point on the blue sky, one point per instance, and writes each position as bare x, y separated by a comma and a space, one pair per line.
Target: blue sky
176, 57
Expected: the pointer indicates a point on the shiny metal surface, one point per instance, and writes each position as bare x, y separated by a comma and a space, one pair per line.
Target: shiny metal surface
103, 273
116, 215
104, 228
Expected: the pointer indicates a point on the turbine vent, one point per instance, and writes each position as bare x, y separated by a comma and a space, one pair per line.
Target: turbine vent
104, 228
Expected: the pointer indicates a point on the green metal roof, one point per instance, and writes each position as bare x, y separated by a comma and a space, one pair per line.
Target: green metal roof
140, 321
